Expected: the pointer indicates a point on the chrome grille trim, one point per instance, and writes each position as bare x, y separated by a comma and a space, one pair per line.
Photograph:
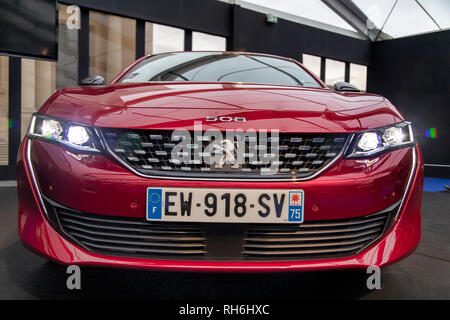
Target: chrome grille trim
308, 245
202, 174
336, 224
321, 231
118, 235
300, 252
317, 239
138, 243
145, 250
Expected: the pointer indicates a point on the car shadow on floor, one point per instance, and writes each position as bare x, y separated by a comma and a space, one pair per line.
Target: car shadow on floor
39, 279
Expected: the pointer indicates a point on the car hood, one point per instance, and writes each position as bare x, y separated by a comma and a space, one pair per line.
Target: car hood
169, 105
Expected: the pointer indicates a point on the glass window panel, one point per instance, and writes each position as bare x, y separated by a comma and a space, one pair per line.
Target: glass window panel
310, 9
290, 68
334, 71
312, 63
219, 67
112, 44
4, 103
38, 84
203, 41
408, 18
160, 38
67, 65
439, 10
377, 11
358, 76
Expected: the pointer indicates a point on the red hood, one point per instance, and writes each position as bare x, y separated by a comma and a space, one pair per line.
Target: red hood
173, 105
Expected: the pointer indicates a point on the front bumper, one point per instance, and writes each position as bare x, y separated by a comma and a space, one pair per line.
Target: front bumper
349, 189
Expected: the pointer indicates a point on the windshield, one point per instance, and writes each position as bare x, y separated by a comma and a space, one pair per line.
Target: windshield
219, 67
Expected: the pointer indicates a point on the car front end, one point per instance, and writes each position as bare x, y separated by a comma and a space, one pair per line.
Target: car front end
324, 180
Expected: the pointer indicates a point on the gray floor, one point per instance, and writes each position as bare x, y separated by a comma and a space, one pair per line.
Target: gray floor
423, 275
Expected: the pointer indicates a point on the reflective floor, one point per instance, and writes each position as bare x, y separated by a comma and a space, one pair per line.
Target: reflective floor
423, 275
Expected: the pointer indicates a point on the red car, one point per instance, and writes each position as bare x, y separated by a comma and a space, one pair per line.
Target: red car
219, 161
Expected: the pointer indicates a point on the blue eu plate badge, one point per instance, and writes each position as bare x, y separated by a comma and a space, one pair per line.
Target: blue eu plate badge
296, 199
154, 204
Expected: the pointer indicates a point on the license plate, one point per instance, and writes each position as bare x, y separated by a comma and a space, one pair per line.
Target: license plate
225, 205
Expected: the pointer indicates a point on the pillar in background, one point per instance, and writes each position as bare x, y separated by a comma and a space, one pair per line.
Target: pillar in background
4, 106
67, 65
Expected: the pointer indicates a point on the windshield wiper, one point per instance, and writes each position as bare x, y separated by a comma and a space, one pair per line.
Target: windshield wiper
175, 74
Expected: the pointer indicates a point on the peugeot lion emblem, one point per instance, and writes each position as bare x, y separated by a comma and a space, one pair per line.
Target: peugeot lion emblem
228, 148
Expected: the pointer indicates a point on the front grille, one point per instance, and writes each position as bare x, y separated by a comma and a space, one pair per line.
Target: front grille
314, 239
301, 155
118, 235
219, 241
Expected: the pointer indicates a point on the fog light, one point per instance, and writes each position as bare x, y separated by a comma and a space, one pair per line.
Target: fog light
369, 141
77, 135
51, 128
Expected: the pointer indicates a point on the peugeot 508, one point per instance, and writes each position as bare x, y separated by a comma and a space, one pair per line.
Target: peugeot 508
219, 161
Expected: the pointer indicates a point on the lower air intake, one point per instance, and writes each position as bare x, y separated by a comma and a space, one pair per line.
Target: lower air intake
137, 237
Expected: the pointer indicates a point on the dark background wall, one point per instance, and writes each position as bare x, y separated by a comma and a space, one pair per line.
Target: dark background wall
245, 29
28, 27
414, 74
252, 33
199, 15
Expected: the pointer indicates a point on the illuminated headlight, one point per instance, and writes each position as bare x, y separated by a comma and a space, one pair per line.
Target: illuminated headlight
51, 128
77, 135
374, 142
393, 135
64, 132
369, 141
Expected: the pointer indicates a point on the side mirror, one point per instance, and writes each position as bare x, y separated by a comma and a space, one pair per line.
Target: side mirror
93, 81
345, 86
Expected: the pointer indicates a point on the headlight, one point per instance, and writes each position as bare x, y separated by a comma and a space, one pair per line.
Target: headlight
70, 134
373, 142
78, 135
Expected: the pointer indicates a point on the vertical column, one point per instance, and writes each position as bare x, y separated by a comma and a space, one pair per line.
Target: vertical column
149, 38
15, 81
188, 40
113, 47
83, 45
28, 90
67, 64
45, 81
140, 38
347, 72
4, 110
127, 43
322, 68
231, 39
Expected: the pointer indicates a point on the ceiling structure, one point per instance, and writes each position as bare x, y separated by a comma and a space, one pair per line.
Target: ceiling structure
373, 20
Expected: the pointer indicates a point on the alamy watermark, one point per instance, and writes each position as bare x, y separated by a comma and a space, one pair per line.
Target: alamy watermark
74, 278
73, 17
374, 280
